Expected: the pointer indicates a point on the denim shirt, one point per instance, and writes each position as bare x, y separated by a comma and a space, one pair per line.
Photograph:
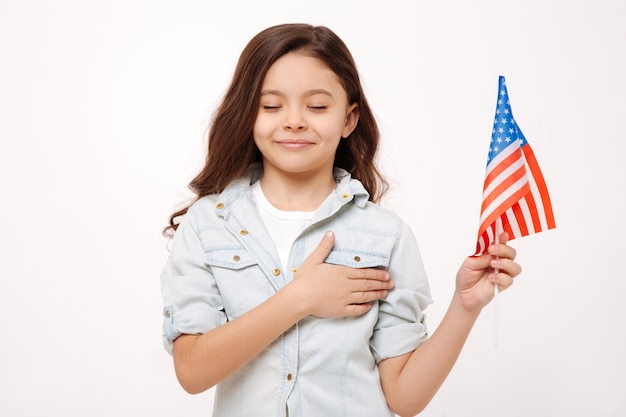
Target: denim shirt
223, 264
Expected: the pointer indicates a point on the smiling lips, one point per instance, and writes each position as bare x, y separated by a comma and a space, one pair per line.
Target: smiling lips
294, 144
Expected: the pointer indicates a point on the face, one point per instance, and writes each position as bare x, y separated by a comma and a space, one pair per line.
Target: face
303, 114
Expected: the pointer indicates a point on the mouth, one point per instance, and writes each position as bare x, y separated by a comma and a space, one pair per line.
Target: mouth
294, 144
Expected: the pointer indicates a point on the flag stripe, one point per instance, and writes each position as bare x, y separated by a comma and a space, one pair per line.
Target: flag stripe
540, 182
506, 224
520, 220
503, 202
503, 162
512, 217
509, 185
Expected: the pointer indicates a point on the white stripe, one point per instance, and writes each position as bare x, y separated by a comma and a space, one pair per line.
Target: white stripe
484, 242
538, 200
502, 197
527, 216
513, 222
481, 245
503, 176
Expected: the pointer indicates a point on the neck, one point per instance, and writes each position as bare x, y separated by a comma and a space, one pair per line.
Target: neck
297, 192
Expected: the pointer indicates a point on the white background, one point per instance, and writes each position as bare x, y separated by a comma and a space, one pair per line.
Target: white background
104, 108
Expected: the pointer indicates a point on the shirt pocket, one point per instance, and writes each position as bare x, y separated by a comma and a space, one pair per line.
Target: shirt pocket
239, 278
362, 250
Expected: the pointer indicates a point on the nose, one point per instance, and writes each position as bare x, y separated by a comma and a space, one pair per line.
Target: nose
295, 121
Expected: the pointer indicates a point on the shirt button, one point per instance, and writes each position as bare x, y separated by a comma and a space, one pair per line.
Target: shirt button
243, 232
168, 314
236, 258
220, 206
289, 377
294, 269
276, 272
357, 259
344, 196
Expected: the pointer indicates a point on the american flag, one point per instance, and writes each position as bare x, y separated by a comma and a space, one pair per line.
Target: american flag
514, 190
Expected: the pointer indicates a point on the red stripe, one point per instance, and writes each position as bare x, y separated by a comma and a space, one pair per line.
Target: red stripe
503, 187
533, 166
481, 239
504, 206
501, 167
506, 226
534, 212
520, 219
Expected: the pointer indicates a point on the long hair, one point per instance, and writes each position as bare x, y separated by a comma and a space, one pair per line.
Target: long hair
231, 147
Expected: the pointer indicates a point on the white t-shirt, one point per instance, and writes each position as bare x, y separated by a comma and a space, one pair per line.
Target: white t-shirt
283, 226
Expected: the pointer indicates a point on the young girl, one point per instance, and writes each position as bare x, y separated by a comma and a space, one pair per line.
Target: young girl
287, 286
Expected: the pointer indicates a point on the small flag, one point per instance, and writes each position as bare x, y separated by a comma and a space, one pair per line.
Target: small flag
514, 188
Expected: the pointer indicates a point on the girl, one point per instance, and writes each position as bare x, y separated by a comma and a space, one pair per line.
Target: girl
287, 286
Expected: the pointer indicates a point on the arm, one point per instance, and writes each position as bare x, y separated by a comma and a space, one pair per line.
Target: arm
319, 289
411, 380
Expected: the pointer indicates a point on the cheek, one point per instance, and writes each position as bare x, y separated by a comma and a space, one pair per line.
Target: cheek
261, 128
332, 127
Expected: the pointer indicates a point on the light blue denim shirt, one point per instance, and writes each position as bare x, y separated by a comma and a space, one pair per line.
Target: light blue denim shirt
223, 263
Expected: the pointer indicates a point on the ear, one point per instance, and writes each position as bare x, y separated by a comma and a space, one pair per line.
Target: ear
352, 118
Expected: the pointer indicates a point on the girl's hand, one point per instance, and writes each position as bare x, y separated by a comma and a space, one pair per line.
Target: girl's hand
476, 277
327, 290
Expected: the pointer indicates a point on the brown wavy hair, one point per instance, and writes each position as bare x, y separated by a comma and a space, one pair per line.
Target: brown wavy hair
231, 147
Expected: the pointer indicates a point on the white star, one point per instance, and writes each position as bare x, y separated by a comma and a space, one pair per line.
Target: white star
506, 111
511, 130
500, 130
497, 111
499, 140
503, 121
508, 139
502, 92
496, 149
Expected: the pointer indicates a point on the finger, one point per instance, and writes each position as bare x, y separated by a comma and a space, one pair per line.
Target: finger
357, 309
507, 266
367, 296
368, 274
322, 250
503, 251
370, 285
503, 280
504, 237
477, 262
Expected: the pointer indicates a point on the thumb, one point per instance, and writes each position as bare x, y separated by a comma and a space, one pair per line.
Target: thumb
323, 249
477, 262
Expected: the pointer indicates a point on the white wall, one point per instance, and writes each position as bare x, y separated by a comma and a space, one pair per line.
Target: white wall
103, 111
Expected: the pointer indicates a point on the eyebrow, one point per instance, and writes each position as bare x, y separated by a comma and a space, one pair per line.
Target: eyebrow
307, 93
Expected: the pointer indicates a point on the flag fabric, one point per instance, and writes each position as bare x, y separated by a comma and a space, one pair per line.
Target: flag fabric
514, 191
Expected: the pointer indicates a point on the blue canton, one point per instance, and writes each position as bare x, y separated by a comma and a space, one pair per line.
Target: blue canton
505, 130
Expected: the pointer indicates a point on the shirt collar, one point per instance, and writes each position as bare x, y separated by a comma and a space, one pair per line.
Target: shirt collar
348, 189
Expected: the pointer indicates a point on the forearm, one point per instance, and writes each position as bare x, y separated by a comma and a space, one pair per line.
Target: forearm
411, 381
202, 361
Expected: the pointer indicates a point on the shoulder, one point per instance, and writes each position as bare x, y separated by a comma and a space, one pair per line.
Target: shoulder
210, 205
372, 215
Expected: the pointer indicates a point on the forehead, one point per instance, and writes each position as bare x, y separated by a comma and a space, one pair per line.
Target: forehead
297, 70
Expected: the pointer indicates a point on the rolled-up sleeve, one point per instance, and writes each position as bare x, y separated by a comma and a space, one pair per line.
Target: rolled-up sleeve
401, 327
192, 302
